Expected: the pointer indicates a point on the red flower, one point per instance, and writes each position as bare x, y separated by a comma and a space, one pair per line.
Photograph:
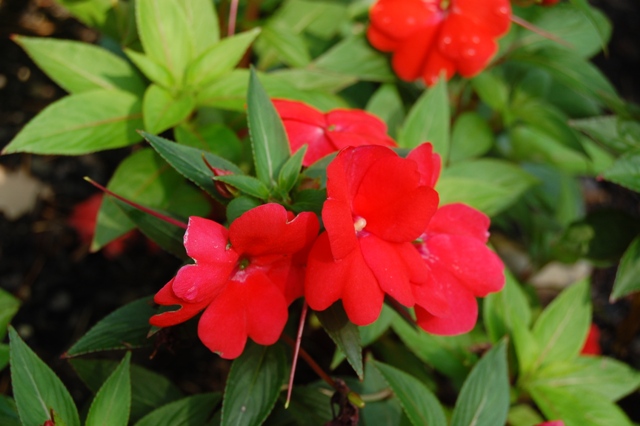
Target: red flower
330, 132
453, 248
376, 206
244, 278
428, 37
592, 344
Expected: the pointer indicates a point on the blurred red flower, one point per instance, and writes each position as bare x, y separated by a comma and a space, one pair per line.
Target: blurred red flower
330, 132
244, 278
428, 37
592, 343
552, 423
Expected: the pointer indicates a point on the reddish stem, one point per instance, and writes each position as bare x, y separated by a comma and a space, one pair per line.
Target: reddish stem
529, 26
233, 16
138, 206
296, 351
312, 363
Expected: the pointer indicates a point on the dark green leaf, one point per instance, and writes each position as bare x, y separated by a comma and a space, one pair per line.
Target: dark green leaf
290, 171
428, 121
82, 123
596, 19
190, 411
578, 409
247, 184
124, 328
488, 185
344, 333
387, 411
253, 385
162, 110
9, 306
386, 103
562, 327
268, 138
471, 137
310, 200
628, 271
80, 67
8, 412
484, 398
605, 131
418, 402
112, 403
36, 388
311, 405
4, 356
149, 390
625, 171
240, 205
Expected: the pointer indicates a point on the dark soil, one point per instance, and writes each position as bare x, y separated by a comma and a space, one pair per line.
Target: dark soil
65, 289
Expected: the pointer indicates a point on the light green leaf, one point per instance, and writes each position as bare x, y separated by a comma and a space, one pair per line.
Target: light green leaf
353, 56
600, 375
488, 185
124, 328
9, 306
344, 334
82, 123
313, 79
253, 385
471, 137
36, 388
492, 89
428, 121
149, 390
562, 327
386, 103
418, 402
500, 309
578, 409
269, 141
151, 69
190, 411
203, 23
165, 34
484, 398
162, 110
625, 171
112, 403
626, 281
606, 131
113, 18
526, 346
596, 20
219, 59
290, 47
81, 67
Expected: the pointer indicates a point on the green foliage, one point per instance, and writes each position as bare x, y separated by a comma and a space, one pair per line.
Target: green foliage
112, 403
344, 334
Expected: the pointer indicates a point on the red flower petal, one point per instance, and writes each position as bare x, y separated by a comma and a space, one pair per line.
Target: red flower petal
166, 297
300, 112
460, 219
381, 40
410, 58
266, 230
401, 19
265, 309
358, 122
289, 277
325, 278
429, 163
437, 64
199, 283
592, 343
362, 296
494, 15
338, 222
206, 241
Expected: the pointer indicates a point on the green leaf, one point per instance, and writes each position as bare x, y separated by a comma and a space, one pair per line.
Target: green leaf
625, 171
626, 281
149, 390
491, 89
596, 20
9, 306
471, 137
578, 409
253, 385
313, 79
353, 56
203, 23
484, 398
310, 405
113, 18
213, 137
80, 67
524, 415
247, 184
219, 59
82, 123
190, 411
488, 185
8, 412
526, 346
500, 309
386, 104
4, 356
167, 235
428, 121
112, 403
387, 411
146, 179
124, 328
291, 47
240, 205
189, 162
165, 34
36, 388
269, 141
606, 131
344, 333
562, 327
600, 375
162, 110
418, 402
290, 171
151, 69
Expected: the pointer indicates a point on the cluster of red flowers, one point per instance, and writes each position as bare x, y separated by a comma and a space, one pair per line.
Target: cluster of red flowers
431, 37
384, 235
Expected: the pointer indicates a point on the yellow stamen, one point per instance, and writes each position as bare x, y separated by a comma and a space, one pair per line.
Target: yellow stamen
359, 224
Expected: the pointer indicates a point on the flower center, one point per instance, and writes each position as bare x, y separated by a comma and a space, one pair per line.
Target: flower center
243, 263
359, 224
331, 128
444, 4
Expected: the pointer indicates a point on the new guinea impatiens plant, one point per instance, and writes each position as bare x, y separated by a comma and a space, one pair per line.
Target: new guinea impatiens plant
351, 187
